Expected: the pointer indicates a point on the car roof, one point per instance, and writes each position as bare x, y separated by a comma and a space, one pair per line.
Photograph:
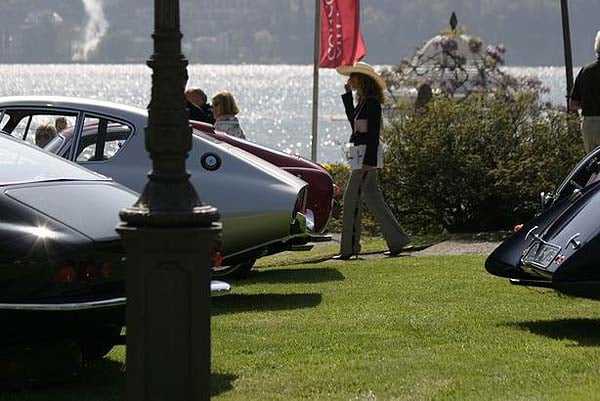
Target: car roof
98, 106
36, 165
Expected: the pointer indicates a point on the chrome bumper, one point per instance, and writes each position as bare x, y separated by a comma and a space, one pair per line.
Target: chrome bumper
216, 287
65, 307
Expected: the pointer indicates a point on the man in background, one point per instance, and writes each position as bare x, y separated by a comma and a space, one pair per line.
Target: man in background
60, 123
44, 134
200, 109
586, 96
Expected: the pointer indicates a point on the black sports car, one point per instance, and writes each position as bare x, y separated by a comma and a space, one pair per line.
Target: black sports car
62, 272
560, 248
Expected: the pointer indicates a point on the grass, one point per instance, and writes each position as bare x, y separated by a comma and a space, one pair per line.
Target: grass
409, 328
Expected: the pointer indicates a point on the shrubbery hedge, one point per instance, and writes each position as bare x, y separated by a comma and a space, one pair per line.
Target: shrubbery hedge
477, 164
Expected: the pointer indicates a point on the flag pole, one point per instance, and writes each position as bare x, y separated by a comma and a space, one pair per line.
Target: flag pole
315, 101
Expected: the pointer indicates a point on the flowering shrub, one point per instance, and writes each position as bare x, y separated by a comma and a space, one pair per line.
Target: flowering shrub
454, 63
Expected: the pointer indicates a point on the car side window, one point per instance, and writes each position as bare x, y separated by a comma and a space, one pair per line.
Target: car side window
101, 139
4, 120
20, 131
23, 124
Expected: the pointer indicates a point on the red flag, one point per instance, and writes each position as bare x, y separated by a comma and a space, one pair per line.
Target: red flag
341, 40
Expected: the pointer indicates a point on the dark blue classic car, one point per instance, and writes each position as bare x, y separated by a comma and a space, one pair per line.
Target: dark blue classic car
560, 248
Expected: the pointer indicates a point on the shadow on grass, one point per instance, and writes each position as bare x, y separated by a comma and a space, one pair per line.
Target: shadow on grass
233, 303
586, 332
104, 380
220, 383
298, 275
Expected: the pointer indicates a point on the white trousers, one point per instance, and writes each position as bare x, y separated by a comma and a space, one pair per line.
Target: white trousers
362, 185
590, 130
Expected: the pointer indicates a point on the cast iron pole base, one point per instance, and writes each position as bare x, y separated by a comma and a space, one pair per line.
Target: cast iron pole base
168, 313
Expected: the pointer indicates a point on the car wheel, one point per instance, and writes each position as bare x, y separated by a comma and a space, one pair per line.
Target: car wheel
95, 348
240, 270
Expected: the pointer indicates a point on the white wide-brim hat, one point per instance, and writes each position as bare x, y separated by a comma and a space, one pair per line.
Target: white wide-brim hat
360, 67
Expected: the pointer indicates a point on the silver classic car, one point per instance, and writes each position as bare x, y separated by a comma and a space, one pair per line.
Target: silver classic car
262, 207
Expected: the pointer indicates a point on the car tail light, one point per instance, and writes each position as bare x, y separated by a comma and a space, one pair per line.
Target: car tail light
517, 228
65, 274
85, 271
216, 257
337, 191
106, 270
300, 205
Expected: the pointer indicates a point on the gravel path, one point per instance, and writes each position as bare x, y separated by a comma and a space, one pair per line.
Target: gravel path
459, 247
451, 247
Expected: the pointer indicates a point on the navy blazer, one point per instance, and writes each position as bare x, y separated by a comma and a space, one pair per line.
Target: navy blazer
370, 111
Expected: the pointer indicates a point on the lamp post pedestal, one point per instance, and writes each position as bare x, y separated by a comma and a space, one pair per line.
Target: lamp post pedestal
168, 313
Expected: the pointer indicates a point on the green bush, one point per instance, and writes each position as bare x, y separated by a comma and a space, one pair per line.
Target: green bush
476, 164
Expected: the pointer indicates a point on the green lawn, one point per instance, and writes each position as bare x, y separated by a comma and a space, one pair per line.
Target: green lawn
409, 328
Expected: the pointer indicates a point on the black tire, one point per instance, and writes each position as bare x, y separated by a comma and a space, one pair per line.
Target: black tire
239, 271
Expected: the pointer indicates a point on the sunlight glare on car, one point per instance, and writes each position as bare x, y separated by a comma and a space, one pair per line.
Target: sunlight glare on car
41, 232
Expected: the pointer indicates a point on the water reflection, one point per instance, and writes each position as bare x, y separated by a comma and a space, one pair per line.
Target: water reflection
275, 100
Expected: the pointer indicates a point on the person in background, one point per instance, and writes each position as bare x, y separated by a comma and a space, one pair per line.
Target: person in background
365, 120
200, 109
586, 96
60, 123
44, 134
225, 110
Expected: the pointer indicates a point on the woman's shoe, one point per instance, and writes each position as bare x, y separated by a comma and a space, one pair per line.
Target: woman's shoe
397, 252
341, 257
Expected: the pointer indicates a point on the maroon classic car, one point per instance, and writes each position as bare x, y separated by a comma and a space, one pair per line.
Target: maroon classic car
320, 200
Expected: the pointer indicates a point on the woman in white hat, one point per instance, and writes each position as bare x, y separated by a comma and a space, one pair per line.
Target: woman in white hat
365, 119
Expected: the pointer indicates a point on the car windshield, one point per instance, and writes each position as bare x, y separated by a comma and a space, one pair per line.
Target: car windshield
21, 163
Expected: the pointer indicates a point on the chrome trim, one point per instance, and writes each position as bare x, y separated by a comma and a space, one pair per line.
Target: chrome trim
572, 241
531, 283
65, 307
310, 220
530, 231
215, 287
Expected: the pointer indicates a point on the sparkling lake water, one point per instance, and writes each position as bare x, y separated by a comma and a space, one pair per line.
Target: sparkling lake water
275, 100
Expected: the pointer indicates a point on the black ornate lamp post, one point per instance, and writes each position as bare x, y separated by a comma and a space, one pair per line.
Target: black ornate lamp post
169, 236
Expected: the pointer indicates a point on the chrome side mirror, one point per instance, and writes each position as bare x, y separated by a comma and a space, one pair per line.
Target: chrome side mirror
546, 199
